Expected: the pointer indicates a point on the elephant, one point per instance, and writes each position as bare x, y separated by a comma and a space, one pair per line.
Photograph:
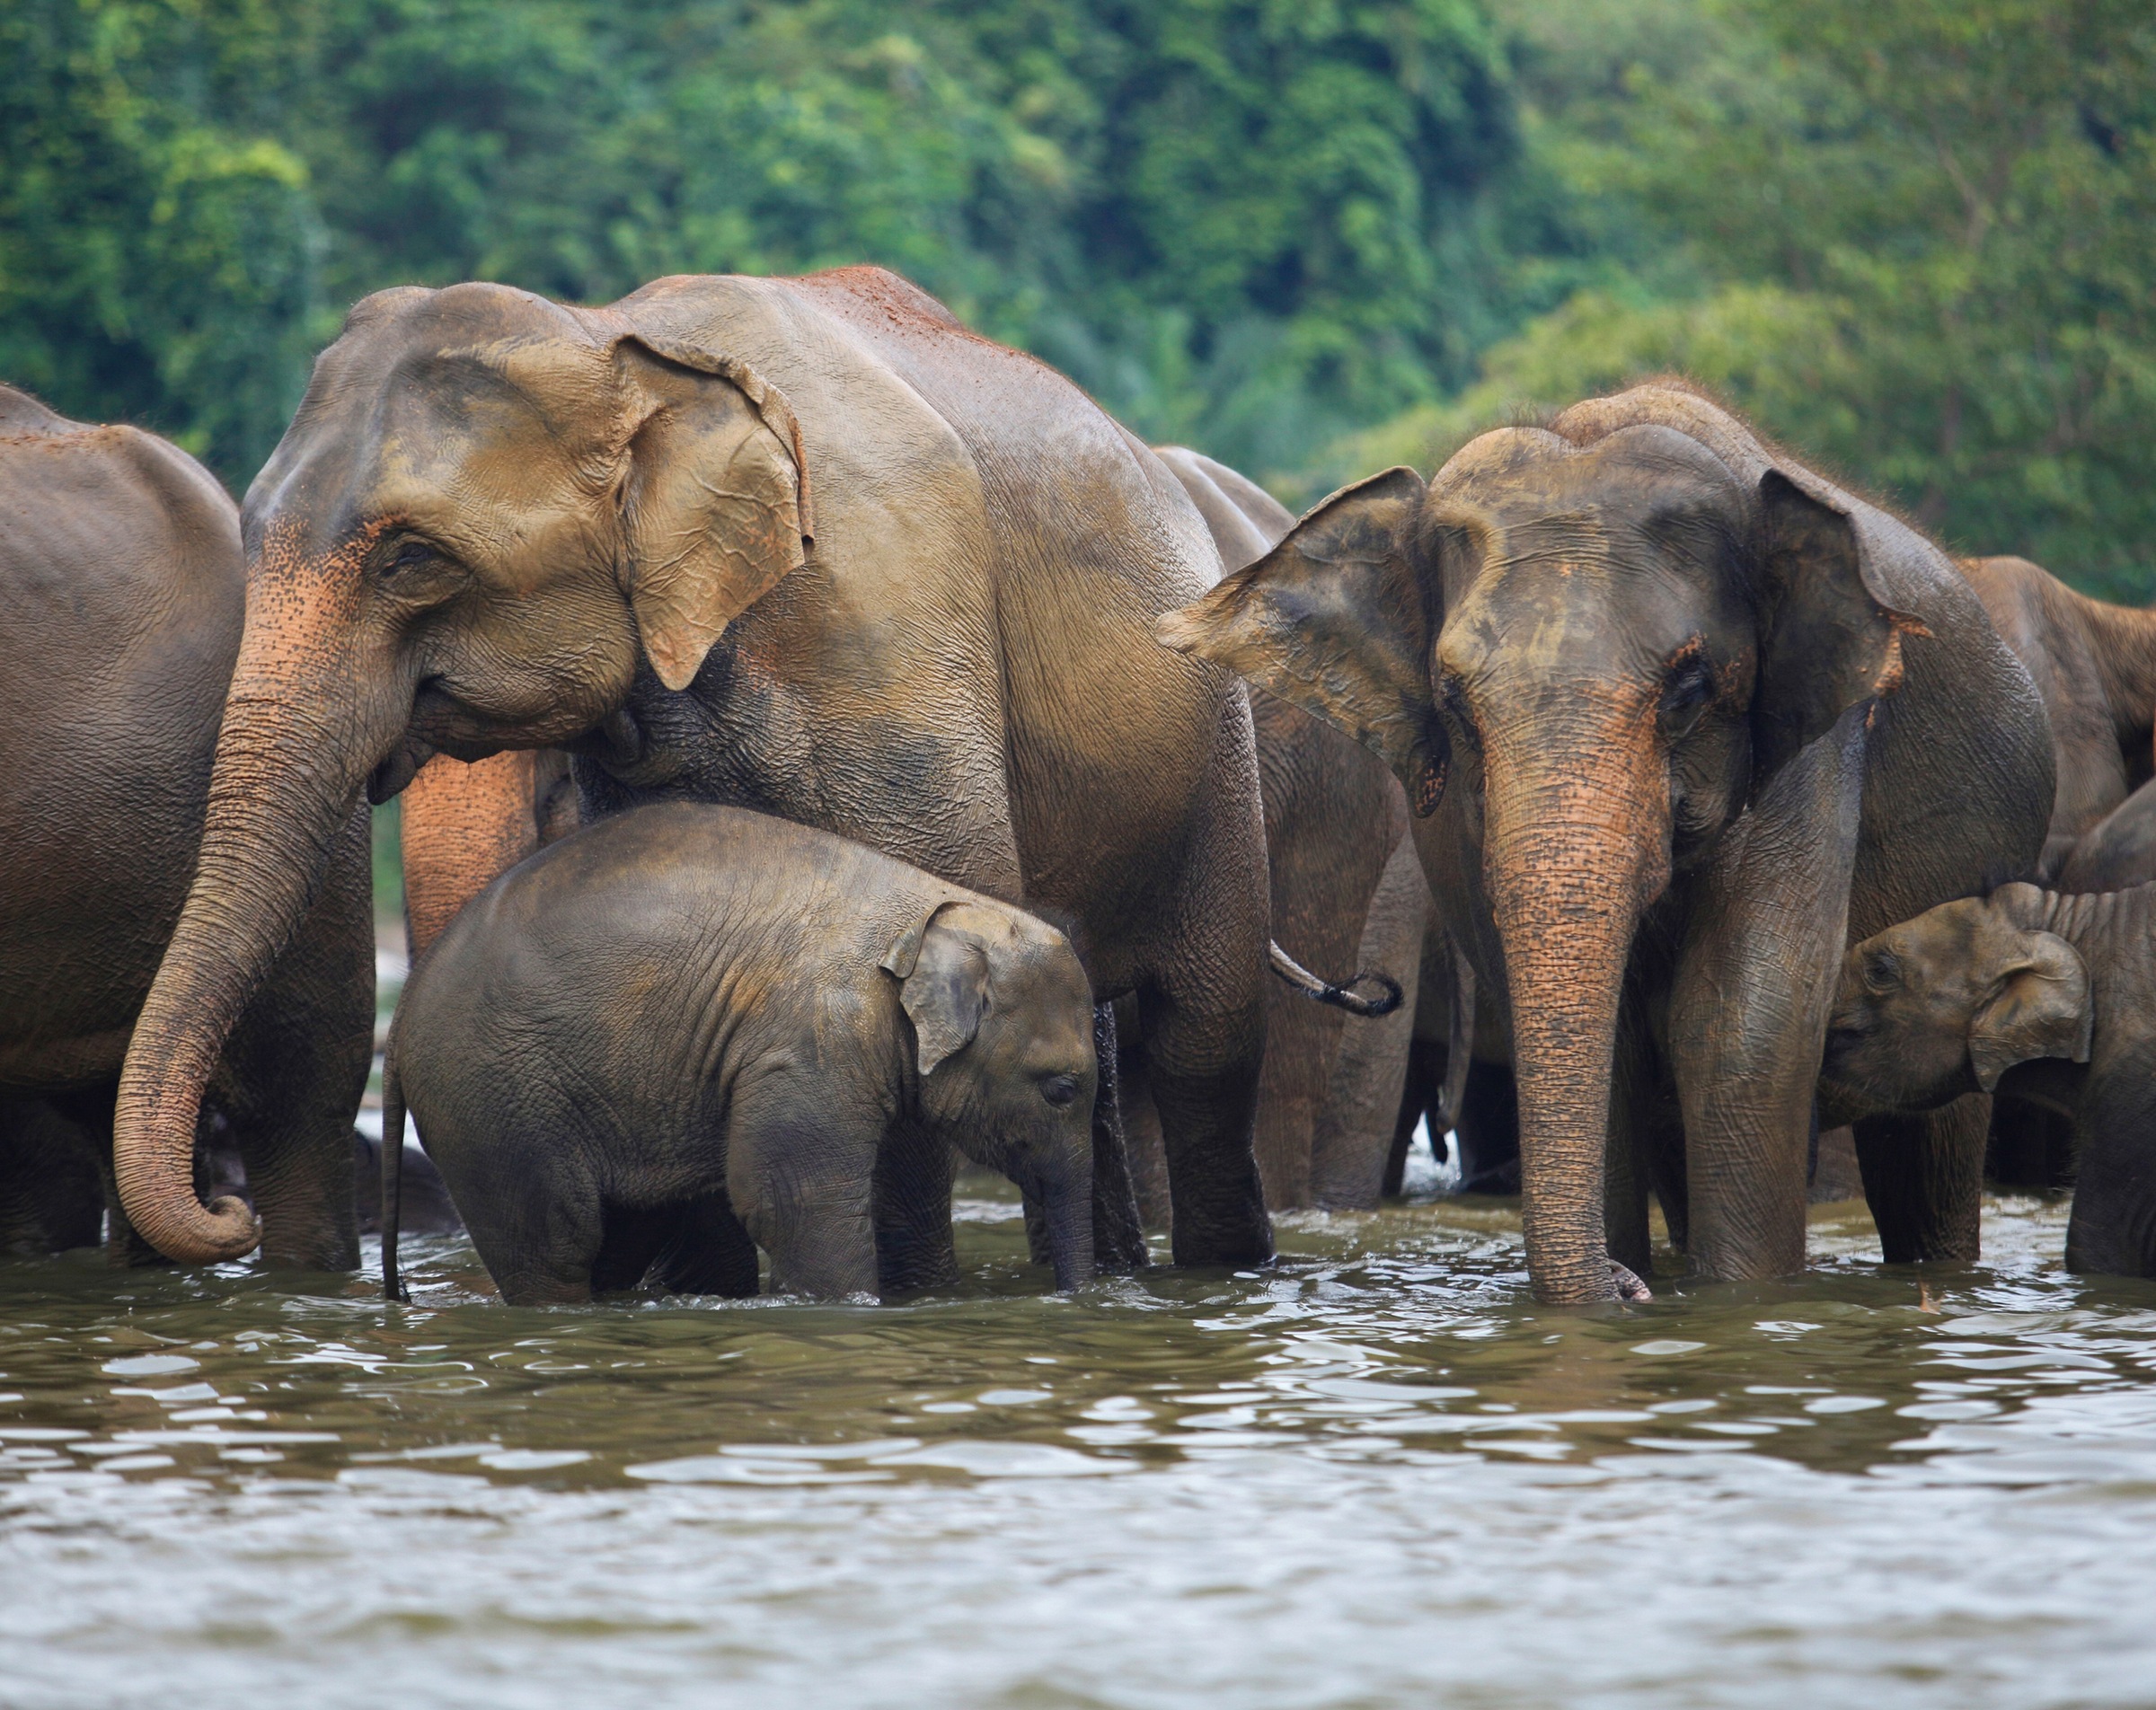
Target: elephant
2094, 664
688, 1032
1678, 720
807, 546
2041, 991
1340, 897
123, 582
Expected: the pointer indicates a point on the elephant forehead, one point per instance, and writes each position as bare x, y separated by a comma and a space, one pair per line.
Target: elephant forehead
1633, 474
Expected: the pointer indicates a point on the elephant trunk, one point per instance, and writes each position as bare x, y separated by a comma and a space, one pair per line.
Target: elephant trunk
1066, 1194
291, 757
1577, 846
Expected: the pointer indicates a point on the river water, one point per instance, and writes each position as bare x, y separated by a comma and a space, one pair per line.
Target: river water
1377, 1474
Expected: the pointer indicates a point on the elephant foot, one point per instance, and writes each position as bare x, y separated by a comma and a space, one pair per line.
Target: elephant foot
1631, 1290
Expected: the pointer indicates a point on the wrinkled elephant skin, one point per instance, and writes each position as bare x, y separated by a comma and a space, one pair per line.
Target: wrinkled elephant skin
806, 546
123, 585
2040, 995
1677, 718
687, 1030
1336, 827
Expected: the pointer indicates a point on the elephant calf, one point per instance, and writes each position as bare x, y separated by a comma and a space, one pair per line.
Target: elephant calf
2040, 994
688, 1032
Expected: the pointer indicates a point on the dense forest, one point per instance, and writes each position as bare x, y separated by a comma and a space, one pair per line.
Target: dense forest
1915, 237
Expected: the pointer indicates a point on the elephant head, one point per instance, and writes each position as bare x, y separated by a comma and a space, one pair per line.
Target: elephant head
1583, 650
1002, 1020
486, 508
1947, 1003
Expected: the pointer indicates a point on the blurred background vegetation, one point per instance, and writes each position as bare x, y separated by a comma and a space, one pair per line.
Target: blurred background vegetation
1914, 238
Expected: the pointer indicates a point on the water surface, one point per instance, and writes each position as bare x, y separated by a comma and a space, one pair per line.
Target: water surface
1378, 1474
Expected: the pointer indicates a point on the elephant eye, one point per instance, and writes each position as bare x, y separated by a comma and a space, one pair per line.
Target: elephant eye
1882, 968
1690, 688
410, 555
1059, 1090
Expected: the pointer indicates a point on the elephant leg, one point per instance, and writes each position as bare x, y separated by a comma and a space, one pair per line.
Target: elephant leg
911, 1193
1352, 1148
1754, 981
1416, 1095
1923, 1179
51, 1193
803, 1167
1201, 1012
296, 1065
89, 1112
1202, 1066
1300, 1040
1489, 1130
541, 1240
1142, 1140
710, 1252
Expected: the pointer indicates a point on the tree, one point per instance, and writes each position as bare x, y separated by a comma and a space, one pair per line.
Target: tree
1240, 222
1911, 236
156, 263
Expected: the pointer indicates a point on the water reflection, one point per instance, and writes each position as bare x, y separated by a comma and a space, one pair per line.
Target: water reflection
1375, 1473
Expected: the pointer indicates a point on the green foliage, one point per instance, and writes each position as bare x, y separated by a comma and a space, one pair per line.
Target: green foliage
156, 261
1913, 237
1237, 221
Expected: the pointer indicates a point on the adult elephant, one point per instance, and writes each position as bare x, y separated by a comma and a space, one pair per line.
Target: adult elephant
802, 545
1347, 893
122, 579
1679, 719
2094, 664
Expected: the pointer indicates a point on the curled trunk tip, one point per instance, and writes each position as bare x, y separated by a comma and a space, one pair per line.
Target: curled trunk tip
1387, 998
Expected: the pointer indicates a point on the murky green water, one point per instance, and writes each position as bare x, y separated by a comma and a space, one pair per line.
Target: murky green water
1376, 1476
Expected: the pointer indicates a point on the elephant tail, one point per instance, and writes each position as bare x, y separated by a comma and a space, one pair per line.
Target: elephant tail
393, 1167
1311, 986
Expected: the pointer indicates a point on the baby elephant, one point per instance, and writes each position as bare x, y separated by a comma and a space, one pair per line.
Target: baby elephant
688, 1032
2047, 996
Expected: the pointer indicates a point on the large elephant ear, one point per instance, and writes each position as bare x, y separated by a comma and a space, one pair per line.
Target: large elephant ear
943, 974
2042, 1010
715, 504
1337, 619
1841, 580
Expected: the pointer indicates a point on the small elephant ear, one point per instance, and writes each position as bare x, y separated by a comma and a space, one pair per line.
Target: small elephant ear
715, 502
1839, 578
942, 977
1337, 619
2042, 1010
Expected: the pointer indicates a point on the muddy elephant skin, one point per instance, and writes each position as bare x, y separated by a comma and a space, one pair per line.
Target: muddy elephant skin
806, 546
123, 586
688, 1032
1677, 719
2035, 994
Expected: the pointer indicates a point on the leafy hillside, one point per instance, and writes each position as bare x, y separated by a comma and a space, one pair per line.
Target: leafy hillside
1913, 237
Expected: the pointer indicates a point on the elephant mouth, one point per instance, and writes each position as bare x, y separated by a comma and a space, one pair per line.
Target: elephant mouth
401, 766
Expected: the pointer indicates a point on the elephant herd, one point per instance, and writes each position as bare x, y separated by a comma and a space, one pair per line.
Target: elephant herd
830, 742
